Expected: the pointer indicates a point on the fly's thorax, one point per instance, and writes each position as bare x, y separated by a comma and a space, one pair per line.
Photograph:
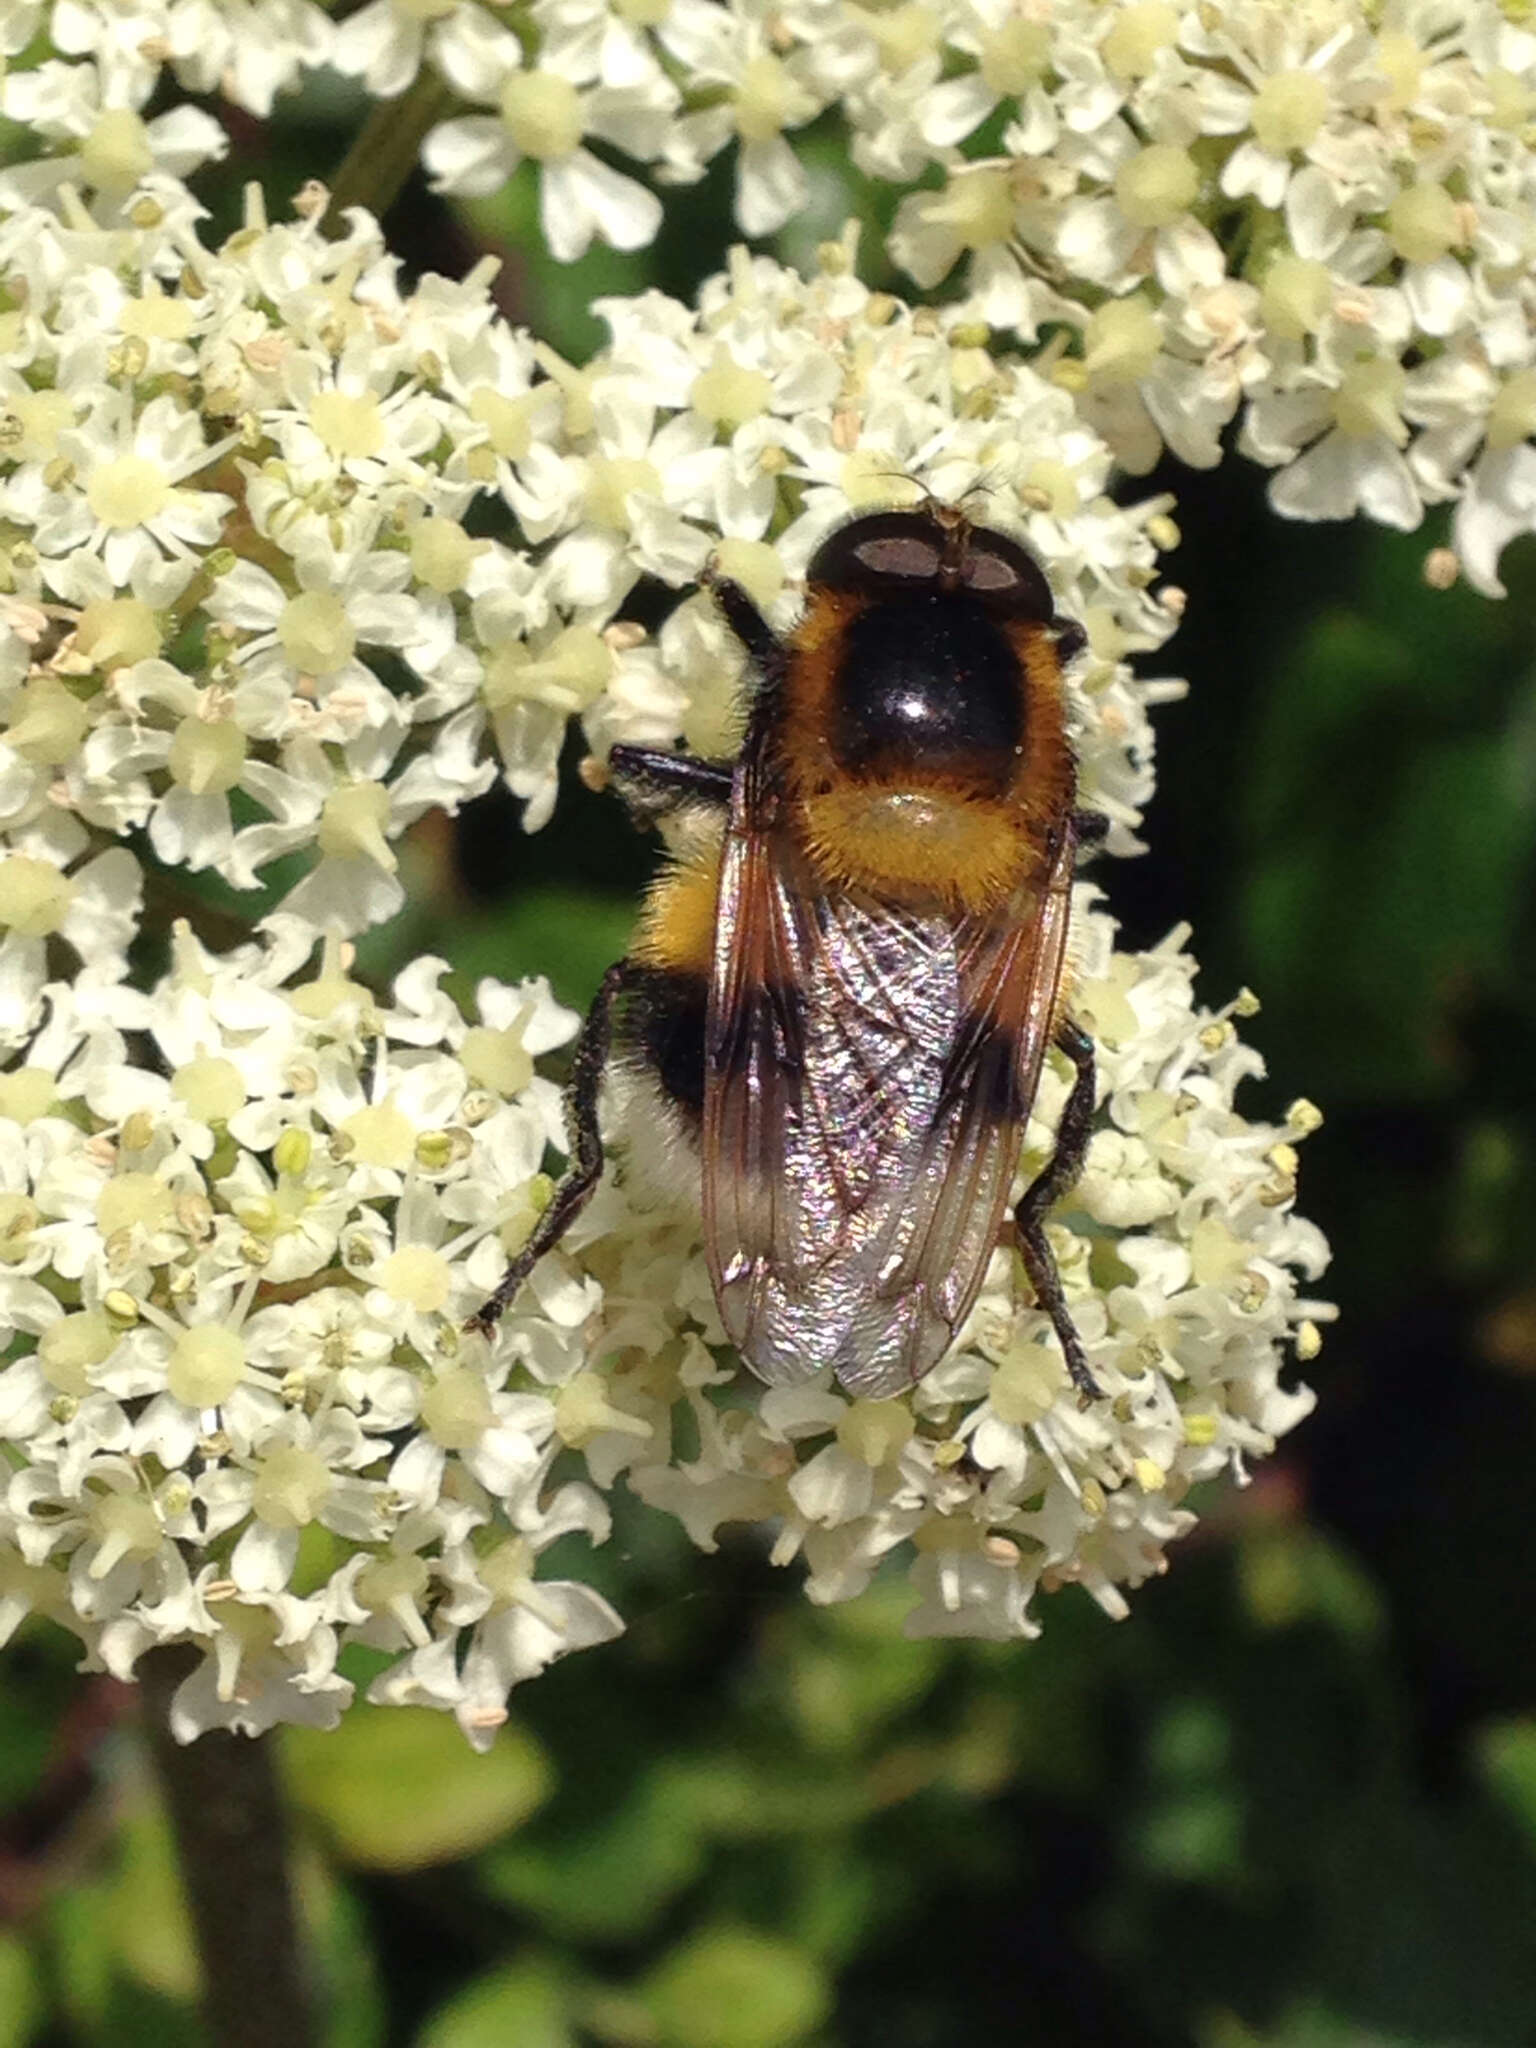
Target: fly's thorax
918, 848
925, 688
923, 747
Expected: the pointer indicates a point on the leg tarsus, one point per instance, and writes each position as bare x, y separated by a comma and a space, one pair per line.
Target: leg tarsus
1072, 1134
763, 645
586, 1155
653, 782
1089, 828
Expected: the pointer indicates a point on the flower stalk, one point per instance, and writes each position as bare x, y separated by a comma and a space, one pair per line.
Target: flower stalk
230, 1823
384, 152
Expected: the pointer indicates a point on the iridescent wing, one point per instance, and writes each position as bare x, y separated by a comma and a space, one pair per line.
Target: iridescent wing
938, 1238
867, 1077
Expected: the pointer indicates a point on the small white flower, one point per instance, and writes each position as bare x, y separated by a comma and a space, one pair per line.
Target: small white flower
102, 142
384, 42
118, 488
249, 50
45, 891
542, 113
730, 51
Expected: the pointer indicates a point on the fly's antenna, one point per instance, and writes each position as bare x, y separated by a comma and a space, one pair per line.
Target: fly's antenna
913, 483
956, 529
951, 522
987, 485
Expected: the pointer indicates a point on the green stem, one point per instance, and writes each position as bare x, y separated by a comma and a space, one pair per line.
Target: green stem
228, 1818
388, 144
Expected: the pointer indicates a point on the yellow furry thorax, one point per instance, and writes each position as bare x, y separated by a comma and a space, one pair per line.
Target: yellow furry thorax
924, 848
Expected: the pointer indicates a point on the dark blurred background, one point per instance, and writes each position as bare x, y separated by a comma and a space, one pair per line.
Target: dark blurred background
1291, 1801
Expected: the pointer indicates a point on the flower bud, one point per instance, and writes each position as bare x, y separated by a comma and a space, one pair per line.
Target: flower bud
316, 634
206, 1365
292, 1486
456, 1408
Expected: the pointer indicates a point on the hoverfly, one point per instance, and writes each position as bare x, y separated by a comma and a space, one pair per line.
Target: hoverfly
847, 1004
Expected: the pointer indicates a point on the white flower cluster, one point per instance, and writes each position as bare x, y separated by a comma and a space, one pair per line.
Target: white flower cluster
244, 1215
992, 1481
246, 616
250, 610
1315, 220
245, 1418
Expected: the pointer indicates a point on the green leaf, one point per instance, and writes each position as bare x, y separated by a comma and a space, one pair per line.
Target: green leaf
1379, 916
77, 1928
610, 1880
573, 935
775, 1798
398, 1787
1195, 1837
21, 2008
1506, 1752
353, 2009
730, 1987
147, 1920
1380, 899
1288, 1573
1192, 1828
527, 2004
1310, 2025
858, 1672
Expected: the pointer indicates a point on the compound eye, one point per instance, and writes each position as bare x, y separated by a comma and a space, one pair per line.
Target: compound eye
877, 550
1011, 578
907, 556
991, 575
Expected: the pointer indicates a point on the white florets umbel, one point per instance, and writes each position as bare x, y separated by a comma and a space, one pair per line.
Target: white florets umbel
250, 611
236, 1267
246, 616
246, 1419
1311, 223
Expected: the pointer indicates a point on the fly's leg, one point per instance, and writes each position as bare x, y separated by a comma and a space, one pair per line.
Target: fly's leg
1089, 828
764, 647
1072, 1135
653, 782
586, 1155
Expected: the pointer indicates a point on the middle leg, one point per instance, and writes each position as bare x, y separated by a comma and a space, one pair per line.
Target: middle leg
1072, 1135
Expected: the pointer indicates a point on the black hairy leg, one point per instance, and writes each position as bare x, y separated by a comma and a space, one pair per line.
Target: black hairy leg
763, 645
1089, 828
586, 1154
653, 782
1072, 1135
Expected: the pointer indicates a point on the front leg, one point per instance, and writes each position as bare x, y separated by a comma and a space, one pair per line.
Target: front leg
581, 1176
1072, 1135
654, 783
764, 648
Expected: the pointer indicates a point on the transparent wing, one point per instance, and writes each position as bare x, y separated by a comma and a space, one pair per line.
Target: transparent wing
938, 1239
867, 1076
753, 1083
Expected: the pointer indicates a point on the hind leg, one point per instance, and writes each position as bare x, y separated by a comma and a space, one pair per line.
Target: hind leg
581, 1176
1072, 1135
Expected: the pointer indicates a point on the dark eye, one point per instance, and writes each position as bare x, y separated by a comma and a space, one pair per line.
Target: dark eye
989, 573
899, 554
1000, 570
878, 549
